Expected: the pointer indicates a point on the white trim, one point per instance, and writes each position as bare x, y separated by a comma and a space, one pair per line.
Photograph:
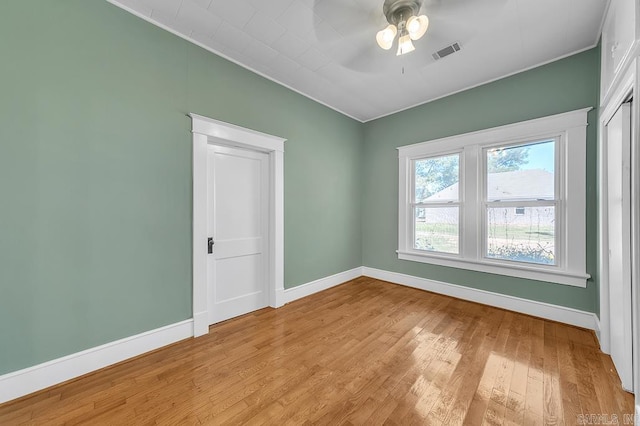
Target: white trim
525, 306
619, 77
360, 120
199, 225
513, 132
200, 323
604, 18
635, 237
598, 330
230, 59
239, 136
499, 268
276, 236
623, 87
23, 382
208, 131
492, 80
569, 131
304, 290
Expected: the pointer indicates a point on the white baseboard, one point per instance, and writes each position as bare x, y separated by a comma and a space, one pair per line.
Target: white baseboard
200, 323
304, 290
32, 379
23, 382
598, 330
530, 307
280, 299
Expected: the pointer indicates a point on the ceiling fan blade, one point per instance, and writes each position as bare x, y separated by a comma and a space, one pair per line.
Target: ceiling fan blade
345, 17
347, 29
371, 60
459, 21
475, 13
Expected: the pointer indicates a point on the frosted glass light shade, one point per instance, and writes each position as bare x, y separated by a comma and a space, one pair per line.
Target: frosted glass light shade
417, 26
385, 37
405, 45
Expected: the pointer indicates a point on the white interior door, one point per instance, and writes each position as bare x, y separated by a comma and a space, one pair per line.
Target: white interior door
238, 213
619, 227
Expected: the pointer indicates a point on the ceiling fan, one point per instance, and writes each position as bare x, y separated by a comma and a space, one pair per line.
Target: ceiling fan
403, 16
352, 32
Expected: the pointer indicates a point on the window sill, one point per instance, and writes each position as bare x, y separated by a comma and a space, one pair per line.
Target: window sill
518, 271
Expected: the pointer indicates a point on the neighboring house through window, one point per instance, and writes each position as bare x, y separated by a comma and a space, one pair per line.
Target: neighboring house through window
508, 200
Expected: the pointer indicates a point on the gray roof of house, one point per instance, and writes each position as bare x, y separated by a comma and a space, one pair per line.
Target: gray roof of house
535, 183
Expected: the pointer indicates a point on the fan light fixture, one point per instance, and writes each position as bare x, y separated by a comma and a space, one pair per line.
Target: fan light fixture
403, 18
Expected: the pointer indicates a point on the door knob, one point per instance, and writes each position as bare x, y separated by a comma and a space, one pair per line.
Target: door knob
210, 245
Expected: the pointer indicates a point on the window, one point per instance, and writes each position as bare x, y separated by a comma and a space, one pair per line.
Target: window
522, 174
508, 200
436, 204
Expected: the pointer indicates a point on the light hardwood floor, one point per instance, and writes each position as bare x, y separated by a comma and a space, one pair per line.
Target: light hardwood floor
366, 352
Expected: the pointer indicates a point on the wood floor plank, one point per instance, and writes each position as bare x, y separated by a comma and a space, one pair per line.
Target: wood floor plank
467, 376
572, 408
585, 384
514, 413
366, 352
553, 413
534, 397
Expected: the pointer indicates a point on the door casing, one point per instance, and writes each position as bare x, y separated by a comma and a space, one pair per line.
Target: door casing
625, 90
207, 131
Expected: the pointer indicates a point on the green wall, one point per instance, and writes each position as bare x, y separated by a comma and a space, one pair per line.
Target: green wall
564, 85
95, 174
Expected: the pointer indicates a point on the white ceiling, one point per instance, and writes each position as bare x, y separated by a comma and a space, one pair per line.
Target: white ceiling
326, 49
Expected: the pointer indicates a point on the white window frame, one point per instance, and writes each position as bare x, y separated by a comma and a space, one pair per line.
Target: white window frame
570, 132
458, 203
557, 202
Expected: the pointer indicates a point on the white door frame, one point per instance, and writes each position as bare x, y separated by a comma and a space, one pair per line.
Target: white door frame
209, 131
625, 88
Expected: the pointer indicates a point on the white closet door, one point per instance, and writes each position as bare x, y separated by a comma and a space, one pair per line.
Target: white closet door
619, 227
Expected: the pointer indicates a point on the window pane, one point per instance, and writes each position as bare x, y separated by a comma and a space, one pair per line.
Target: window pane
521, 172
526, 237
436, 229
436, 179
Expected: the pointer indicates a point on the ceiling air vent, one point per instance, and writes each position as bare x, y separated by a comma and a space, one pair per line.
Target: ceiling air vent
446, 51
